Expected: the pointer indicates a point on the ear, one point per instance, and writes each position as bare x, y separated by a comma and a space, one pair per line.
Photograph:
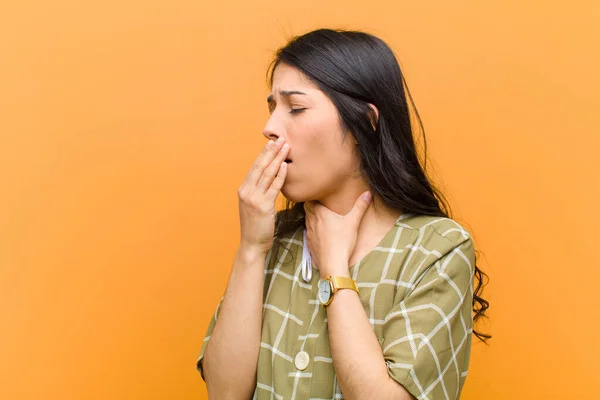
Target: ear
374, 116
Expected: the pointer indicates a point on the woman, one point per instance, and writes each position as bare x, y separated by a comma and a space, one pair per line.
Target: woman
363, 287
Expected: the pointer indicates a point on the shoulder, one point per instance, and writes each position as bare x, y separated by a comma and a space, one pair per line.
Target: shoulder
442, 254
439, 233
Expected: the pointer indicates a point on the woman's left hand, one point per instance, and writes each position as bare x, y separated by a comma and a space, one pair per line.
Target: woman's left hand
331, 237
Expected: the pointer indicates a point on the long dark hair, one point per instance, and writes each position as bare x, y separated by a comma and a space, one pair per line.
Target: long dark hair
355, 69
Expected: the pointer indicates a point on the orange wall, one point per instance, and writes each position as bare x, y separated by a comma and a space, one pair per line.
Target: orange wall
126, 127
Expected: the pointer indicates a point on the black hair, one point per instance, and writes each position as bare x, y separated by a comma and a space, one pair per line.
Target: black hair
356, 69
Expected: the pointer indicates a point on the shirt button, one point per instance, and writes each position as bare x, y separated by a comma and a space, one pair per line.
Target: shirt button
301, 360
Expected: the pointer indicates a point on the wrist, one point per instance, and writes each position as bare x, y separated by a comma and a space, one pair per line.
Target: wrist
343, 296
250, 254
334, 267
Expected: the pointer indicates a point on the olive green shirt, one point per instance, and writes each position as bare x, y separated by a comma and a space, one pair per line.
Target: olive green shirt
416, 287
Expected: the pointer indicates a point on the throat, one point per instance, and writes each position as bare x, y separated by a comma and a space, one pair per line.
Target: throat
371, 233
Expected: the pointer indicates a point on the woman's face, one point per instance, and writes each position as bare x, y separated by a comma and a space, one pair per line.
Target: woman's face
322, 160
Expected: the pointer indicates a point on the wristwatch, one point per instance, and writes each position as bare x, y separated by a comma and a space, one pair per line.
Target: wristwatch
328, 286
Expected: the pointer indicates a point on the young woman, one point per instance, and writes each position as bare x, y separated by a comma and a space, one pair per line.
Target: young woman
363, 288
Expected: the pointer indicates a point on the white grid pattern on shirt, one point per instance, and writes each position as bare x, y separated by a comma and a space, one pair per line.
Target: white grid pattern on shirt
274, 349
410, 337
300, 374
405, 312
383, 275
425, 340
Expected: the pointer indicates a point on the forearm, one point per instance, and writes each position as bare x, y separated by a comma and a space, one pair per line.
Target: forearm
231, 355
357, 356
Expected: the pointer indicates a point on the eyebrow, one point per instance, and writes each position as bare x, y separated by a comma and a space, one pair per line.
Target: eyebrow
285, 93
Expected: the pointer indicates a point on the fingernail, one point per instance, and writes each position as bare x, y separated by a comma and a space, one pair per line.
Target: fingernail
367, 196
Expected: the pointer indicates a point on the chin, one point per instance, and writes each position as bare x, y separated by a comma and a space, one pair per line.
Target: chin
294, 194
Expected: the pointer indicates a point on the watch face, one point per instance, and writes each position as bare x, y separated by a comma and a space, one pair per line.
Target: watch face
324, 291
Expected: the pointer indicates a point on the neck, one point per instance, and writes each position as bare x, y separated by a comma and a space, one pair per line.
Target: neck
378, 216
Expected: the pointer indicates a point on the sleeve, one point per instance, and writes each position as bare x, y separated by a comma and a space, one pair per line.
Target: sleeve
215, 317
427, 335
209, 331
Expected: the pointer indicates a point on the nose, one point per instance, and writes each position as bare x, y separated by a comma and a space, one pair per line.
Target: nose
273, 130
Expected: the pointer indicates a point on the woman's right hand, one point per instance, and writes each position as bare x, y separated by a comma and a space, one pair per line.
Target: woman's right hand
257, 196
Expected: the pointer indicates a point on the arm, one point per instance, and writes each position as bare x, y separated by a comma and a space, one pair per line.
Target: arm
427, 334
357, 357
231, 356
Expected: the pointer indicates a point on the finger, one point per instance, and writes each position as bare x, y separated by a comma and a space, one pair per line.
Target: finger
277, 184
361, 205
268, 175
265, 158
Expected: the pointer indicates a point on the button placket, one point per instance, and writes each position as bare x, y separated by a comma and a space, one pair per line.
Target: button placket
307, 340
